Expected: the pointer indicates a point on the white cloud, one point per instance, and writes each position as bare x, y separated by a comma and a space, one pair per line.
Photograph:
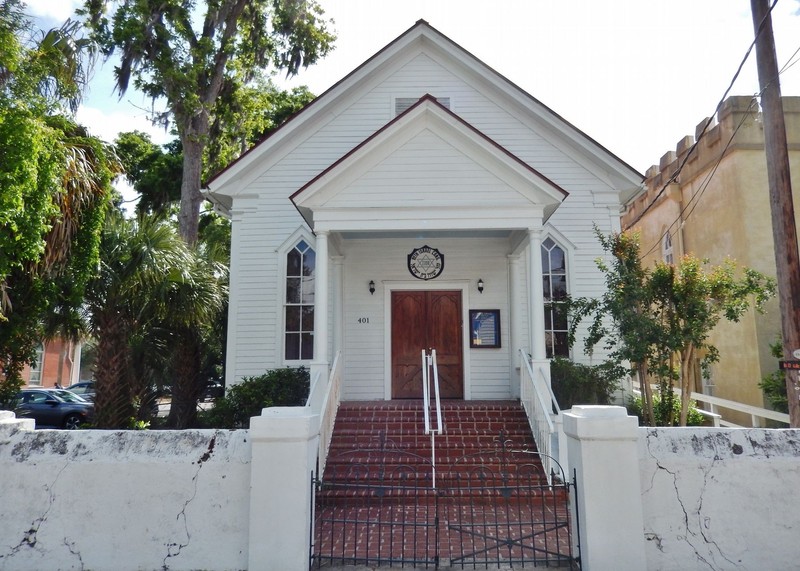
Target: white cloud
58, 10
108, 124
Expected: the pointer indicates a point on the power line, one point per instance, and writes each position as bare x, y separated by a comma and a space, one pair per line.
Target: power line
710, 119
695, 199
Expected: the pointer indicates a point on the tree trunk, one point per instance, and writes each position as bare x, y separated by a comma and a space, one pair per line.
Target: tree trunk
62, 356
687, 357
188, 385
647, 395
112, 401
193, 137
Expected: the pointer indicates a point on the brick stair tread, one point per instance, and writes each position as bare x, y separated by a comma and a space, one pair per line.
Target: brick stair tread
472, 430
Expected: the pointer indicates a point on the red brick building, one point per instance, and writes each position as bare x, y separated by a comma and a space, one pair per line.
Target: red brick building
58, 363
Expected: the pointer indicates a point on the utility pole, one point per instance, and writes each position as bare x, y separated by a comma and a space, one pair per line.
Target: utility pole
784, 232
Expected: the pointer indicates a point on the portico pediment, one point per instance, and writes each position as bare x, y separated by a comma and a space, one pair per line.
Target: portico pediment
427, 169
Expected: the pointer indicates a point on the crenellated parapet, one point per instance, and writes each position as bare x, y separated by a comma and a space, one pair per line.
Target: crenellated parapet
737, 126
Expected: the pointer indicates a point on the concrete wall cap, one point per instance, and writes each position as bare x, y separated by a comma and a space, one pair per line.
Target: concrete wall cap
284, 423
608, 423
598, 411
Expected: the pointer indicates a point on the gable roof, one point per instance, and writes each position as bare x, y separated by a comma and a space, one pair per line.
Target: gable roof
507, 192
422, 38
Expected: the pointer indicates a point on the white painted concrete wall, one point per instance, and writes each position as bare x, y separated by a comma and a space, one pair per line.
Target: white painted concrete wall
717, 499
124, 500
714, 499
703, 498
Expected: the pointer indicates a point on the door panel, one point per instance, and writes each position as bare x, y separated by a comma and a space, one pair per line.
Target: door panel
426, 320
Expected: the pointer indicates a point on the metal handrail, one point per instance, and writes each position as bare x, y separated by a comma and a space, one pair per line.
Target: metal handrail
715, 403
436, 390
428, 364
426, 397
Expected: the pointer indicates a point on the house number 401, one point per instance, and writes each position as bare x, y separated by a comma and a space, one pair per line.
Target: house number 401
363, 320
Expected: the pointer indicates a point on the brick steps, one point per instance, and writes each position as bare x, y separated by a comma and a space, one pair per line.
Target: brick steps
377, 505
380, 441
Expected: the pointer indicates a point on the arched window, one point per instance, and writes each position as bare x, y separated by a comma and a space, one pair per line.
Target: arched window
666, 249
299, 308
554, 275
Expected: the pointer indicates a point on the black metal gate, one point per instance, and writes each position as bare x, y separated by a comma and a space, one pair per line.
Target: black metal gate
381, 510
501, 509
487, 509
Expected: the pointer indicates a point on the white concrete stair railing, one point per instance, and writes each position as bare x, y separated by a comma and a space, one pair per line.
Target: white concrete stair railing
544, 415
323, 400
289, 445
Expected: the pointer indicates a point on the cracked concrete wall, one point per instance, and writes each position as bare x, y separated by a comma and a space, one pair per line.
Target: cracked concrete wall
718, 499
119, 500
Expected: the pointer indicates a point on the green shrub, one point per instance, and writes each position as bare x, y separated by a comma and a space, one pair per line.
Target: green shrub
774, 384
278, 387
661, 411
575, 383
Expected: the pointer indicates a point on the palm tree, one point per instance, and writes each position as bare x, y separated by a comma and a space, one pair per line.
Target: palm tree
153, 299
195, 305
139, 258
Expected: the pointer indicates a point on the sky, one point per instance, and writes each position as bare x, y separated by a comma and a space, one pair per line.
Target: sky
635, 75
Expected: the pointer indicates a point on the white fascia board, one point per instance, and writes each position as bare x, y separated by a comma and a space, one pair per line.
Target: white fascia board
421, 219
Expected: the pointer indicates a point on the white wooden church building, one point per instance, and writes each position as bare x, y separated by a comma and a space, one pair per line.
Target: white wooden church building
423, 201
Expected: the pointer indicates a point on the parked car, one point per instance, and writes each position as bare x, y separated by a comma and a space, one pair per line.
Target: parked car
84, 388
59, 408
213, 390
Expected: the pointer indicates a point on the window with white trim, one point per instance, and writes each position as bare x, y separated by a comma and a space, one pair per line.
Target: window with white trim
554, 277
666, 249
35, 378
299, 308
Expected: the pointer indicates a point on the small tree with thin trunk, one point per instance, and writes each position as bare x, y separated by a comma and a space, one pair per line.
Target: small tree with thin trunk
651, 316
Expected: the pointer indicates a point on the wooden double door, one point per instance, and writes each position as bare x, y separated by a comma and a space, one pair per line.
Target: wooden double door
427, 320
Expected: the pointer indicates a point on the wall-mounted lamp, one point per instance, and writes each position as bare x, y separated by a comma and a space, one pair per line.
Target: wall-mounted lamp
480, 285
371, 287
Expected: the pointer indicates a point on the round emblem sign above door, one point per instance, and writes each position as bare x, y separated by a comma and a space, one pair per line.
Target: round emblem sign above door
425, 263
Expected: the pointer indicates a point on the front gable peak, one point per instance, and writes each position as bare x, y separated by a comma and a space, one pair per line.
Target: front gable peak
420, 39
427, 164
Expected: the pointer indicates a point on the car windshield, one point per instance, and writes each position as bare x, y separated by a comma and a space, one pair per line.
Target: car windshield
68, 396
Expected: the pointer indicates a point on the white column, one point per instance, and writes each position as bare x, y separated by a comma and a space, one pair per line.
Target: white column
285, 441
602, 442
321, 300
514, 318
536, 302
338, 302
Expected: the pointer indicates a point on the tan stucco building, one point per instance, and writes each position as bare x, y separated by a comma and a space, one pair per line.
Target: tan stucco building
718, 206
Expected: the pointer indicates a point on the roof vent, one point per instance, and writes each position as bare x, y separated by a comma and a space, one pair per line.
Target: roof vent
403, 103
